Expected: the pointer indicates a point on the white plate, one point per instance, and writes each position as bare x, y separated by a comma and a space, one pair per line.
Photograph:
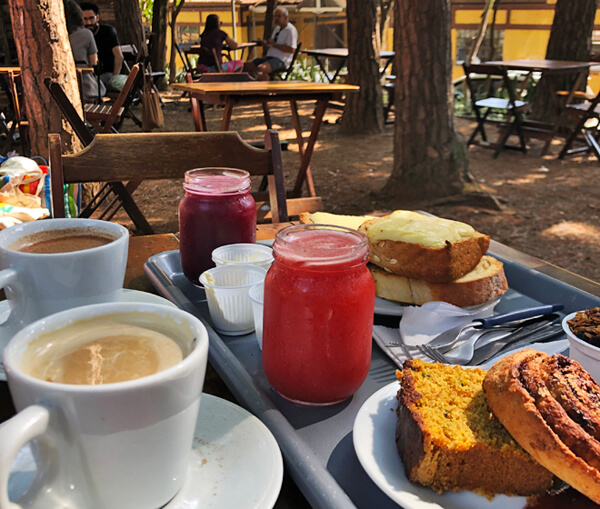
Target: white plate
126, 295
393, 308
389, 307
374, 442
235, 462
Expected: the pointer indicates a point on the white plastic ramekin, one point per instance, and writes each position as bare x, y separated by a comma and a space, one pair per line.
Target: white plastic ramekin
229, 304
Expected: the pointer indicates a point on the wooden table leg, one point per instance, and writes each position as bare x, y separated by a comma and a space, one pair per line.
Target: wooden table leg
304, 171
267, 115
226, 121
300, 141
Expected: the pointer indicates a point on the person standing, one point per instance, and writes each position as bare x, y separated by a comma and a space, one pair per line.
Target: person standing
110, 56
280, 47
84, 50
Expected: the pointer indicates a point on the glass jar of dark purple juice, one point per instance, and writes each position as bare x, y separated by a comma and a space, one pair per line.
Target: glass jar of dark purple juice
216, 209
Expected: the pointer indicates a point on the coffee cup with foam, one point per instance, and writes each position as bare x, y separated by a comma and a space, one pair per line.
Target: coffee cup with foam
57, 264
108, 395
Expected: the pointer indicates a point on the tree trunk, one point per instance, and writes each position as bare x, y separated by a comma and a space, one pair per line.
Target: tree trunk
159, 39
570, 39
175, 10
268, 28
4, 37
128, 23
430, 159
44, 51
363, 113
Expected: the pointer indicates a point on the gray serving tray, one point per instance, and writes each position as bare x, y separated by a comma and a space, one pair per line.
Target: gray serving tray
317, 442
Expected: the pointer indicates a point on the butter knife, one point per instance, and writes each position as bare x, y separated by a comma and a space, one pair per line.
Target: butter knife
451, 336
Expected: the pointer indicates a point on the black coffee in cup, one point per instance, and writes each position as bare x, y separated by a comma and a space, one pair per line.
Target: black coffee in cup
62, 241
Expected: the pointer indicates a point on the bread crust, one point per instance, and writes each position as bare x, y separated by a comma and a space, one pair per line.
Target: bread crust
434, 265
507, 388
486, 282
305, 218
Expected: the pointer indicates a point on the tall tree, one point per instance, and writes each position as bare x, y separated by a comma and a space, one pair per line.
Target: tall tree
570, 39
128, 23
430, 158
268, 26
175, 9
44, 51
158, 57
363, 113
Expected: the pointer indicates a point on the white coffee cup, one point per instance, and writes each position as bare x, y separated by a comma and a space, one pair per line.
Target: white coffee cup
118, 445
40, 284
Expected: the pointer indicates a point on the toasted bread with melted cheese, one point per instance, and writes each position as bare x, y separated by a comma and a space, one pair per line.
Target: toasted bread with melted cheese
422, 247
484, 283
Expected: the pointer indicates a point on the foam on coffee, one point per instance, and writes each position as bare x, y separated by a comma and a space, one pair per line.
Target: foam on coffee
62, 241
100, 352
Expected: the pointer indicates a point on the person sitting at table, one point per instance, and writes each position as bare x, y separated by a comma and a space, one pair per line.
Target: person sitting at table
280, 48
213, 38
110, 56
84, 51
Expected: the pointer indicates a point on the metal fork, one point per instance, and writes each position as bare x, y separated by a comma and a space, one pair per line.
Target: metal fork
540, 336
433, 353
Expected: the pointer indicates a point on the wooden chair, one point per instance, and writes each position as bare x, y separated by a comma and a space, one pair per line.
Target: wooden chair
483, 107
86, 136
585, 119
184, 50
127, 157
284, 74
106, 118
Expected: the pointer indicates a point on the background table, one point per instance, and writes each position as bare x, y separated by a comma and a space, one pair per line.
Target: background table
342, 55
536, 129
264, 92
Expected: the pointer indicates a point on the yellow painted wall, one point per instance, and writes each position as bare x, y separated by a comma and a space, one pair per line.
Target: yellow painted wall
525, 44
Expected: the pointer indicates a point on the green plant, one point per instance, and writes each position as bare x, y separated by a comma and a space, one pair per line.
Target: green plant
147, 8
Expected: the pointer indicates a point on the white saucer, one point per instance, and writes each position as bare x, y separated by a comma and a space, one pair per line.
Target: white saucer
373, 436
126, 295
235, 462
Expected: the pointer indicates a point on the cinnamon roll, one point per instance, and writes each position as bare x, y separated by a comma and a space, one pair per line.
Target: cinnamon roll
551, 407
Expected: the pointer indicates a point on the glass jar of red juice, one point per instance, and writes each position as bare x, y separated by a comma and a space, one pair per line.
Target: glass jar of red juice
216, 209
319, 300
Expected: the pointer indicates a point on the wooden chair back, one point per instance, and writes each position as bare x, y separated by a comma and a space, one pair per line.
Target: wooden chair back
69, 112
131, 55
181, 51
105, 118
579, 114
132, 156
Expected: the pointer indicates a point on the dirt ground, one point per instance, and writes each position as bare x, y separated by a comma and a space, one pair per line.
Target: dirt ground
550, 208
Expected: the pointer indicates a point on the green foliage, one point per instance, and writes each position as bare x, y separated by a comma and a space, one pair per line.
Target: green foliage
147, 8
306, 69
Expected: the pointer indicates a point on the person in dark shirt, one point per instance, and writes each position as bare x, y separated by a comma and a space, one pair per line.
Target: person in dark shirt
213, 38
110, 57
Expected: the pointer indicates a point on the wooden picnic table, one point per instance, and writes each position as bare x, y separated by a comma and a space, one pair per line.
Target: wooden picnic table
342, 55
536, 129
264, 92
